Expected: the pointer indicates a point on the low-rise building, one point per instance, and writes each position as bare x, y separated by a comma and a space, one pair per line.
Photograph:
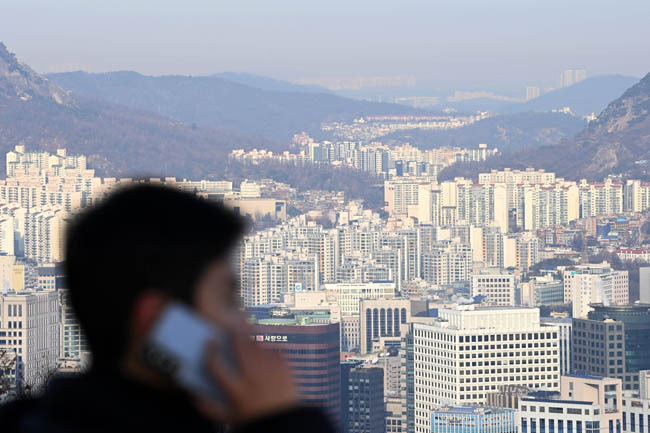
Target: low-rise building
587, 404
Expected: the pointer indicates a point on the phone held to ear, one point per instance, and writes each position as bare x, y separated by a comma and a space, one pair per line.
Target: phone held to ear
176, 347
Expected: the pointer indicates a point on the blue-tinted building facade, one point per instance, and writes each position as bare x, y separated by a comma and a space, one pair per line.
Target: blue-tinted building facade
473, 420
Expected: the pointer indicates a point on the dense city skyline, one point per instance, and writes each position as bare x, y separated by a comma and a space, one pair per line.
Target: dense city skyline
452, 237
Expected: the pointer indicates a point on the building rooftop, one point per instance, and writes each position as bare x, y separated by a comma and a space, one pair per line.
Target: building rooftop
585, 376
551, 400
473, 410
626, 307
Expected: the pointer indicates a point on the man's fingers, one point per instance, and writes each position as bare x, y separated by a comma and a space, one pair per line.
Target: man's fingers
212, 410
223, 374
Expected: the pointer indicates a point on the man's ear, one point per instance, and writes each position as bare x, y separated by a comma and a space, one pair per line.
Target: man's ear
146, 309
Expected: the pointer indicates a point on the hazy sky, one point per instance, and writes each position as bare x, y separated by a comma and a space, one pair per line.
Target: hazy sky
433, 40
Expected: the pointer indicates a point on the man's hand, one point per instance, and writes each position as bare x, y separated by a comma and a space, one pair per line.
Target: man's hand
261, 385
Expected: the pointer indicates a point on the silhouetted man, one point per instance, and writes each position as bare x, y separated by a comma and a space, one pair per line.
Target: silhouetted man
126, 259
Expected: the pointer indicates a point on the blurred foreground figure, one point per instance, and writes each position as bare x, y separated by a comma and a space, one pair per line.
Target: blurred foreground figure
128, 259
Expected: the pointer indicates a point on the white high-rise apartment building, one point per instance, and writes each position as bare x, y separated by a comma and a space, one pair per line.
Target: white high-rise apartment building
532, 92
547, 205
44, 234
29, 326
20, 162
637, 195
403, 192
449, 263
468, 352
569, 77
593, 284
510, 177
482, 205
644, 285
250, 189
496, 285
529, 199
566, 78
601, 198
579, 75
7, 243
265, 279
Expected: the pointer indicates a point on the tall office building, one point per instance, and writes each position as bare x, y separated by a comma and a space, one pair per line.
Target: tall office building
636, 406
346, 367
73, 343
29, 327
468, 352
565, 327
542, 290
312, 350
386, 320
366, 400
613, 341
644, 285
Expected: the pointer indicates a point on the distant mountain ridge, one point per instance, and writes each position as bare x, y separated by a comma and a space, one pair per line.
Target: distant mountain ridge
20, 82
122, 141
584, 98
118, 140
617, 142
269, 84
220, 103
508, 133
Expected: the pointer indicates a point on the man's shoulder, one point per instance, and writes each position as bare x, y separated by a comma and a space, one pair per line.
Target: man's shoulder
299, 419
13, 414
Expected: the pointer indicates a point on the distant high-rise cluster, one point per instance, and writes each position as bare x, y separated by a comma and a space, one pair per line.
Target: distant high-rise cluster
569, 77
532, 92
378, 159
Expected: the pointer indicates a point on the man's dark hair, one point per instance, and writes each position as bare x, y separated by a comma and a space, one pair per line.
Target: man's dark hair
139, 238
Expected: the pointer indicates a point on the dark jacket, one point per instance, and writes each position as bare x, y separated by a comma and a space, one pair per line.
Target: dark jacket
97, 404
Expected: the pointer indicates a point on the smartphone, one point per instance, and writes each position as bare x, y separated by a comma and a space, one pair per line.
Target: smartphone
176, 347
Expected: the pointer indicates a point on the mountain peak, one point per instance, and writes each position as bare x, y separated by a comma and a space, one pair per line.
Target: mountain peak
627, 113
19, 82
618, 141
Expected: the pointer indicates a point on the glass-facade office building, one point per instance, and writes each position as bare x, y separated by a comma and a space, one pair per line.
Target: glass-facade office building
614, 341
313, 353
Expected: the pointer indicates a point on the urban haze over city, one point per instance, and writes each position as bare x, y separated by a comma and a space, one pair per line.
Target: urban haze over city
447, 206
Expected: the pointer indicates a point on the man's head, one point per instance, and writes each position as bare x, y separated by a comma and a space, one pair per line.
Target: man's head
139, 248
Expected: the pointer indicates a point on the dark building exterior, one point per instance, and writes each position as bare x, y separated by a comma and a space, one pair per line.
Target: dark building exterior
614, 341
367, 413
346, 367
407, 345
313, 353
